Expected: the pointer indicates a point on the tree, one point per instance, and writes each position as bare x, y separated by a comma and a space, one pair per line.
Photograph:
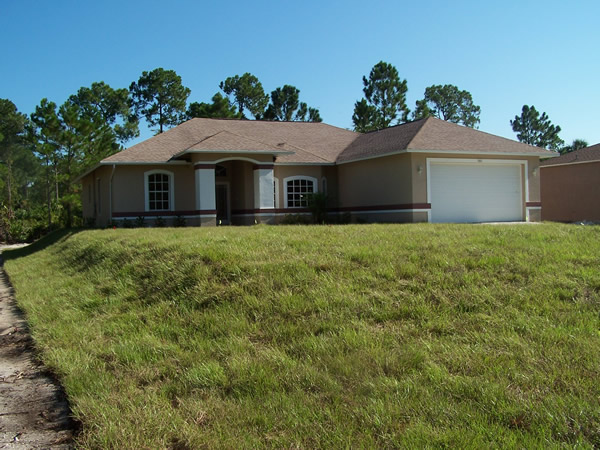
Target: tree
385, 99
109, 120
160, 98
533, 129
307, 114
286, 106
247, 93
577, 144
44, 135
220, 108
102, 104
12, 129
448, 103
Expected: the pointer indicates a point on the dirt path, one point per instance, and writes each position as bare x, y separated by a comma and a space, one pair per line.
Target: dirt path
33, 410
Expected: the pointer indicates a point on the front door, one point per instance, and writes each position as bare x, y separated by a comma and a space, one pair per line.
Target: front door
222, 201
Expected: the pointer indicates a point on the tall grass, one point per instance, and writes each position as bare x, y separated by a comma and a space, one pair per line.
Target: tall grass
329, 336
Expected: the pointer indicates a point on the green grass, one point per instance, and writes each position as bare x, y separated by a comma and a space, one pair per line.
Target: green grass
329, 336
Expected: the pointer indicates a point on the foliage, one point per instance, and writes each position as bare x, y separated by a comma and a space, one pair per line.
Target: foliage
160, 222
384, 102
533, 129
220, 108
296, 219
317, 204
448, 103
577, 144
377, 336
109, 111
247, 93
160, 97
18, 173
286, 106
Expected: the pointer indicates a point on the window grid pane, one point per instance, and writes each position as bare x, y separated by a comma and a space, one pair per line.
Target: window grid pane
297, 192
158, 192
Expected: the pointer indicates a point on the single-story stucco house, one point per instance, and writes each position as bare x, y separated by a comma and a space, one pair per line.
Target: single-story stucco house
570, 186
220, 171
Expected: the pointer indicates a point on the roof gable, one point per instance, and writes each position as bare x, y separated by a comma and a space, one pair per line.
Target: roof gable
433, 134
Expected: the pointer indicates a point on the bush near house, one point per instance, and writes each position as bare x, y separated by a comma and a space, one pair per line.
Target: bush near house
329, 336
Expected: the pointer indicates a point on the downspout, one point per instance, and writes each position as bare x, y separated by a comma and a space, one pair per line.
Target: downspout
112, 174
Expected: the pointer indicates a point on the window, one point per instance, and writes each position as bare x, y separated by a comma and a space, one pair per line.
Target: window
159, 190
297, 191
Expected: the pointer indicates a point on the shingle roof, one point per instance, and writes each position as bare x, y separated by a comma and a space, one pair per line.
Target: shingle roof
433, 134
587, 154
306, 142
310, 142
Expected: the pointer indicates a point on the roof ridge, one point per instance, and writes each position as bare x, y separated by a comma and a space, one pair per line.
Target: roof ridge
425, 120
307, 151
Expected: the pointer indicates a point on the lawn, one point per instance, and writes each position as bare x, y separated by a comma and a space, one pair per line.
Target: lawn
327, 336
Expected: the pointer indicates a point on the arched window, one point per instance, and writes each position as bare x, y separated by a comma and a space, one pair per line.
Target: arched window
158, 187
298, 189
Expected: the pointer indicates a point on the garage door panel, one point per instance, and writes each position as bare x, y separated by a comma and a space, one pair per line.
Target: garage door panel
475, 192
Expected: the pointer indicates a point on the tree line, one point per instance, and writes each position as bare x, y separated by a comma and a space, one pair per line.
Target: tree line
42, 154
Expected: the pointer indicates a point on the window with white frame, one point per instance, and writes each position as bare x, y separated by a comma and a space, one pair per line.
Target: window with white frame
298, 190
159, 190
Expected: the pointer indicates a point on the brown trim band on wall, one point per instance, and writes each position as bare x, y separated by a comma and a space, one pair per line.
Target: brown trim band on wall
533, 204
196, 212
204, 166
407, 206
263, 166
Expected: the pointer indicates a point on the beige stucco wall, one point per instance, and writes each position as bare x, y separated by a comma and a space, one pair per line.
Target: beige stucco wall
571, 193
379, 181
394, 181
95, 200
128, 187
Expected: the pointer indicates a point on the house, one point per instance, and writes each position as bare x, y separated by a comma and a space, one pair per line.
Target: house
222, 171
570, 186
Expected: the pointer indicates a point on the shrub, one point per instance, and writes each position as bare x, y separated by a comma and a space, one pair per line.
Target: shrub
317, 204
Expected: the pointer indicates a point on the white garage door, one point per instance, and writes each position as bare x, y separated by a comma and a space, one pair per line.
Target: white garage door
475, 192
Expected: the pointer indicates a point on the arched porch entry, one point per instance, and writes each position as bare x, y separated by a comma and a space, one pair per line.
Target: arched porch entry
236, 191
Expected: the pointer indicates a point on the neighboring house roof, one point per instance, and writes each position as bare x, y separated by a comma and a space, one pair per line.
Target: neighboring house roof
588, 154
315, 143
432, 134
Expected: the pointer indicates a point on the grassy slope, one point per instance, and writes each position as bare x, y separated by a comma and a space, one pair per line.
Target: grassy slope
322, 336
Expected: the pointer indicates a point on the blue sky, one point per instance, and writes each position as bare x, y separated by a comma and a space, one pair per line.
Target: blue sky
507, 53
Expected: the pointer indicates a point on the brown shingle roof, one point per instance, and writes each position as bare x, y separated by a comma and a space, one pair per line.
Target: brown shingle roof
315, 142
310, 142
433, 134
587, 154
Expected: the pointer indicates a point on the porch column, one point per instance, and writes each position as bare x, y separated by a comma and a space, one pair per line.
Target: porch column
205, 194
263, 187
